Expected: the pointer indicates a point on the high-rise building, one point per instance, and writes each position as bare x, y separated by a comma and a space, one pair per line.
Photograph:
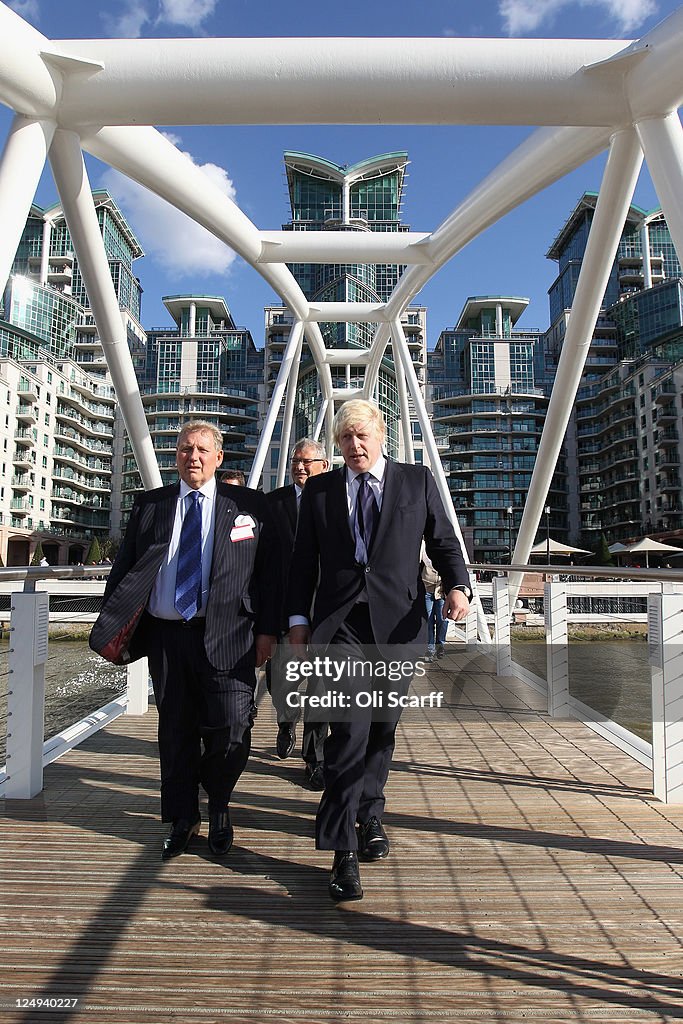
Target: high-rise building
623, 448
489, 394
62, 434
366, 196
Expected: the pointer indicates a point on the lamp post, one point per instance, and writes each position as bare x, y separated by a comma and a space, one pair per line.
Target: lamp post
510, 512
546, 511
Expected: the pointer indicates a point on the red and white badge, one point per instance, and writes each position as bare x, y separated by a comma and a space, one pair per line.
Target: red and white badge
243, 528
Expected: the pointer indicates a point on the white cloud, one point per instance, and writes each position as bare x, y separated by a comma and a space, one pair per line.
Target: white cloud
186, 12
134, 16
174, 241
28, 9
130, 20
523, 16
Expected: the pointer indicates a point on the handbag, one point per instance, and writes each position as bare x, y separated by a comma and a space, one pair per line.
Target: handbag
117, 650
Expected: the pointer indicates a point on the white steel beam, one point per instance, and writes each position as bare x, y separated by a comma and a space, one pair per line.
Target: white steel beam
325, 81
347, 312
662, 142
397, 247
616, 193
75, 194
21, 166
291, 348
288, 415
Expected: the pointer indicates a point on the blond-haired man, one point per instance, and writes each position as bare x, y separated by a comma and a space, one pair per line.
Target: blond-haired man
357, 583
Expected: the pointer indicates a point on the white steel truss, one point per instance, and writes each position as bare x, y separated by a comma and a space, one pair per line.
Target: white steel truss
583, 95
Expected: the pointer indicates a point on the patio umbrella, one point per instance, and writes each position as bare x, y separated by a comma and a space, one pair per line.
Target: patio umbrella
647, 546
556, 548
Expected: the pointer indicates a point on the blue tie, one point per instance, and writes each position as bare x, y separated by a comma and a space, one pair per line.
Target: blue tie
188, 580
366, 518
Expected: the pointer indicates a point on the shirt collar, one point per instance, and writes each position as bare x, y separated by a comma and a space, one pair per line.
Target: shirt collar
376, 471
208, 489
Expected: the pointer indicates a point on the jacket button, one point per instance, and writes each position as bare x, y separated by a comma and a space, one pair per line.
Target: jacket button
367, 568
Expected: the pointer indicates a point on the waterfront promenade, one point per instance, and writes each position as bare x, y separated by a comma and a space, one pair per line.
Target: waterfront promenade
532, 876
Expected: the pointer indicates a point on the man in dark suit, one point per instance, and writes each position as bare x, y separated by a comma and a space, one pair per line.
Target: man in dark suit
309, 459
202, 559
357, 581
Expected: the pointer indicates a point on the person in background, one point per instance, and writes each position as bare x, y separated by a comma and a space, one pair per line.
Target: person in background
437, 626
234, 476
309, 459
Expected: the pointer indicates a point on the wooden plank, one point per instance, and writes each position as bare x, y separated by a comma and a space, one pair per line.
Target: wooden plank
532, 875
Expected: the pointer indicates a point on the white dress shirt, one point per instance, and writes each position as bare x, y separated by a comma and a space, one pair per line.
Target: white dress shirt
161, 602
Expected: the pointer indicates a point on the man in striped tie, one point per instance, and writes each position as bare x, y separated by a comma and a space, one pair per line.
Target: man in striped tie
202, 559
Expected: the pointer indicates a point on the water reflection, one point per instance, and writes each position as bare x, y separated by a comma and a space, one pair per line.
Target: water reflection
610, 676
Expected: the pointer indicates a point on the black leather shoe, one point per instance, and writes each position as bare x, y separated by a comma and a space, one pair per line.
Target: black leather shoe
220, 833
315, 776
286, 738
372, 840
179, 837
345, 878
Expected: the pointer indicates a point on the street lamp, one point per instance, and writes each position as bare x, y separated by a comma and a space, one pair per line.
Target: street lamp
546, 510
510, 512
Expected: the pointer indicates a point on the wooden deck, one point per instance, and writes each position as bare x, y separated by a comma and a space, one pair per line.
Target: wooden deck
532, 875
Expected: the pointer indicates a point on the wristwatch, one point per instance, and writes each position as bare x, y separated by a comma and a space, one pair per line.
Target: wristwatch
467, 591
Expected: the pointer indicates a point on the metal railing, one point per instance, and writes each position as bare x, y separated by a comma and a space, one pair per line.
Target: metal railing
553, 670
23, 701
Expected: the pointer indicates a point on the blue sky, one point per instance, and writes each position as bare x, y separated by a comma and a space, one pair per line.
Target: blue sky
445, 165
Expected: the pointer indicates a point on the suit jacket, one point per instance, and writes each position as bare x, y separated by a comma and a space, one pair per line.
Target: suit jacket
324, 555
245, 590
284, 509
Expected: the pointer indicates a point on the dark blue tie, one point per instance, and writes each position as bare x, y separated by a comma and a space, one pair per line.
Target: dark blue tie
188, 580
366, 518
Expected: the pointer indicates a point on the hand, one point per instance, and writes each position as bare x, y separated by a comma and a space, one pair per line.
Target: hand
299, 637
455, 606
264, 646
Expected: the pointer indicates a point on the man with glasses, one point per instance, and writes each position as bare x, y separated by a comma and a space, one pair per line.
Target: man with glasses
308, 459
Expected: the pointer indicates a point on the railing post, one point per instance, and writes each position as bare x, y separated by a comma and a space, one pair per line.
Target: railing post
665, 649
501, 618
557, 651
137, 687
26, 694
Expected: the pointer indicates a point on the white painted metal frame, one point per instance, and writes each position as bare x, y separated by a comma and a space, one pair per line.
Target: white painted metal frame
584, 95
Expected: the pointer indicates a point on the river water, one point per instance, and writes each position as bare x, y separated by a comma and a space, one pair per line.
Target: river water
77, 682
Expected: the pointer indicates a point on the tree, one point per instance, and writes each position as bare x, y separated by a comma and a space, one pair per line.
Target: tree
601, 553
94, 556
37, 554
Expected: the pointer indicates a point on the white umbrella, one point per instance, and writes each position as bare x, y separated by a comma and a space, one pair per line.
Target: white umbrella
647, 545
556, 548
617, 548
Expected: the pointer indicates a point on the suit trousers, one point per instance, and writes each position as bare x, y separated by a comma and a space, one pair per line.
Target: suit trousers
314, 732
205, 719
358, 752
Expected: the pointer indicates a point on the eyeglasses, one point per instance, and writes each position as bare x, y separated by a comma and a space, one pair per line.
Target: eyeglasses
305, 462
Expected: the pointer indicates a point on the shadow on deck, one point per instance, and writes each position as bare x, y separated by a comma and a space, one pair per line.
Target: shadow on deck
532, 875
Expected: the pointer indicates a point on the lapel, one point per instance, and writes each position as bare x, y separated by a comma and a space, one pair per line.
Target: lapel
338, 505
225, 513
291, 509
393, 482
163, 525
